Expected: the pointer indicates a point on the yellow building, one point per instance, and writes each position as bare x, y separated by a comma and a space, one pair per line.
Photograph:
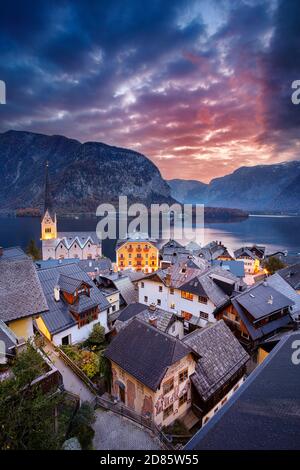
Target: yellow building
138, 255
21, 295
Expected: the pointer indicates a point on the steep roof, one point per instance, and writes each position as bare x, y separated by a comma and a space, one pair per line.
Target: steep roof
145, 352
237, 268
244, 251
123, 284
264, 413
214, 283
221, 356
70, 284
59, 318
163, 318
280, 284
262, 300
13, 253
291, 274
21, 293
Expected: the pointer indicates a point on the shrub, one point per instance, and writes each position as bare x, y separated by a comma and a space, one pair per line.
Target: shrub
81, 426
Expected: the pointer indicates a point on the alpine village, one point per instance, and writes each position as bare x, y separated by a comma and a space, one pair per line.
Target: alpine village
170, 337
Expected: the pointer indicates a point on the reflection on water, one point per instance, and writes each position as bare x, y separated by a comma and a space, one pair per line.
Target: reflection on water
274, 232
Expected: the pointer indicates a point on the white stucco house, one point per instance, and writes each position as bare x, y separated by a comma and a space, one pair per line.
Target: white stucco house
75, 305
191, 293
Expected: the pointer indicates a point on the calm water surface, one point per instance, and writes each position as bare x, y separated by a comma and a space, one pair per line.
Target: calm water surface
277, 233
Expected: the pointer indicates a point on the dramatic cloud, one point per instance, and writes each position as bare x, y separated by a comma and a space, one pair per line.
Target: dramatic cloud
199, 86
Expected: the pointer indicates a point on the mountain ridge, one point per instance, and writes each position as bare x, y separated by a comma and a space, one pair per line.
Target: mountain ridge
82, 175
273, 187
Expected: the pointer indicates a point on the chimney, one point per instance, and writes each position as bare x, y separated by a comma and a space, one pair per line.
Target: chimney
57, 293
270, 300
1, 251
90, 264
152, 315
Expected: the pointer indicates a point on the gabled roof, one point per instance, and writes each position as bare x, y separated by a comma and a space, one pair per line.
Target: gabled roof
221, 356
21, 293
279, 283
123, 284
145, 352
58, 317
137, 310
70, 284
244, 251
264, 413
180, 274
291, 274
262, 300
215, 284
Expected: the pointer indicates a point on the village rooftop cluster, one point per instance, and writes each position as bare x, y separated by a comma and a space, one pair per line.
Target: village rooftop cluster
186, 327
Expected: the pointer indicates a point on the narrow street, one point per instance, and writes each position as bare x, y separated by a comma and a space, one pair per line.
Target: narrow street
72, 383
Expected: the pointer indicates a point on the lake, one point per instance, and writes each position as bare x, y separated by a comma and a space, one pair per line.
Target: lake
275, 232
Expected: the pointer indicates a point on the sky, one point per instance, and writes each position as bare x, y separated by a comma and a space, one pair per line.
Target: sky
201, 87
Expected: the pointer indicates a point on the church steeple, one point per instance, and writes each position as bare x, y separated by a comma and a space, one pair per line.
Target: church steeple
49, 224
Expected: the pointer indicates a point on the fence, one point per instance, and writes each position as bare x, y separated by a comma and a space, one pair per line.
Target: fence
78, 371
123, 410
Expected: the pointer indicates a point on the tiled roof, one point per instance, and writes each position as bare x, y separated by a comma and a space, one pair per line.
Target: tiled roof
145, 352
59, 318
21, 293
291, 274
163, 318
212, 283
264, 413
280, 284
237, 268
221, 356
262, 300
103, 265
70, 284
124, 285
13, 253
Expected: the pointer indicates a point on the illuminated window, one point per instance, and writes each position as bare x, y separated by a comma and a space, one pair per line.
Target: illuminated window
48, 230
172, 290
187, 295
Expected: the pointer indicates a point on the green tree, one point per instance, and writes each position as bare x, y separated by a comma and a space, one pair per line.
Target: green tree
27, 413
81, 426
33, 251
273, 264
96, 340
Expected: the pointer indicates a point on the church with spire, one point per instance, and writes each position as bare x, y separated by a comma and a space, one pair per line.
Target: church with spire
62, 245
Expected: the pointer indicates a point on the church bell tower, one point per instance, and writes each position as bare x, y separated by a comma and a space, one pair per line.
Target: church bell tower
49, 223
